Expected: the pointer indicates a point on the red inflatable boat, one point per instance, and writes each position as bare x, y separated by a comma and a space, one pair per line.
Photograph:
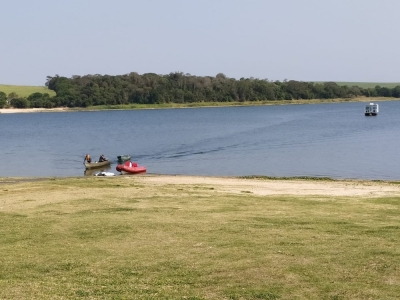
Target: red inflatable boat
130, 168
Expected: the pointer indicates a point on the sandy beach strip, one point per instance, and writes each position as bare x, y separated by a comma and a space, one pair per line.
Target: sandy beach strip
261, 187
359, 188
30, 110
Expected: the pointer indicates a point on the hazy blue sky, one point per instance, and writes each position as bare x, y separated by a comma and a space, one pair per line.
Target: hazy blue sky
309, 40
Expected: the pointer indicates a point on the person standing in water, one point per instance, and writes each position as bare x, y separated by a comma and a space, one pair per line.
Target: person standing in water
87, 159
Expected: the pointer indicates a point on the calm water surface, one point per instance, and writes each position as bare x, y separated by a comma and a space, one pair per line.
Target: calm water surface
334, 140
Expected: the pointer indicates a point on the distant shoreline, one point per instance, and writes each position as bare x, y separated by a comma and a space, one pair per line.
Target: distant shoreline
193, 105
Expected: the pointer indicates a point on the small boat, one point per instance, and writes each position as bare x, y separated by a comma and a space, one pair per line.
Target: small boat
371, 109
96, 165
123, 158
130, 168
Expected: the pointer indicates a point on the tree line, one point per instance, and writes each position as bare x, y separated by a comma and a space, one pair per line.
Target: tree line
177, 87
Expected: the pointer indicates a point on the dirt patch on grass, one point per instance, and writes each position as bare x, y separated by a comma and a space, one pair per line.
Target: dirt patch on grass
278, 187
17, 194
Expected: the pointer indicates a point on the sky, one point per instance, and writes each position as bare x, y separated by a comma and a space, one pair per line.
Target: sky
305, 40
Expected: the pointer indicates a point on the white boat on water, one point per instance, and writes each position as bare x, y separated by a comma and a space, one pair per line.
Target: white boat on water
371, 109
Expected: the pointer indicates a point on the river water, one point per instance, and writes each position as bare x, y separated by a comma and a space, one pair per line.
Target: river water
325, 140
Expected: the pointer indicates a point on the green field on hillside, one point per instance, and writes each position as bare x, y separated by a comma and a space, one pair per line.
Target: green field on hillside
25, 90
366, 85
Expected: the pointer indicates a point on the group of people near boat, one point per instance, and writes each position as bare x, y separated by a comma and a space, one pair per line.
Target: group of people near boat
89, 159
125, 167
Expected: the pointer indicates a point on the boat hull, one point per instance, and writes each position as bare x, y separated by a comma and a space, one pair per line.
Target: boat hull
136, 170
130, 168
97, 165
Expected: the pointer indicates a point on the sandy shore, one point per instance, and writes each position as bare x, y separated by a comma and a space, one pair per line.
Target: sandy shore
30, 193
262, 187
249, 103
279, 187
30, 110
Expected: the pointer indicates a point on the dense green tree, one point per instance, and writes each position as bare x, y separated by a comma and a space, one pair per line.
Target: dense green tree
396, 92
19, 103
3, 99
383, 91
151, 88
12, 95
40, 100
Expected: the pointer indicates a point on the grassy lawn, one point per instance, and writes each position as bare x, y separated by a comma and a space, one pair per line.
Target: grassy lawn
370, 84
25, 91
116, 238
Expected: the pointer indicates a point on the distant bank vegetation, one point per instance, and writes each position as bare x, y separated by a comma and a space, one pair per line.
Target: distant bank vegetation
179, 88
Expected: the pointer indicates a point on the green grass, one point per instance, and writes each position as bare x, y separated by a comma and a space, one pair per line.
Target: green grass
370, 84
92, 238
25, 91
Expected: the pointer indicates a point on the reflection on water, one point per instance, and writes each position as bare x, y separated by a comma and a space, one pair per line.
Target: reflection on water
334, 140
91, 172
